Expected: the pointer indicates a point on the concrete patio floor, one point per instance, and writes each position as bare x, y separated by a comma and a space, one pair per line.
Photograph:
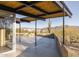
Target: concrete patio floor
4, 49
46, 47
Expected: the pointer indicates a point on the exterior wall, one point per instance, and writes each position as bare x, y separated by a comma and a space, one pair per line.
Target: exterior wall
67, 51
14, 33
62, 48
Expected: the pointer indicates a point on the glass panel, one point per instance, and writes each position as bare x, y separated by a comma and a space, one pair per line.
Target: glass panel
9, 31
6, 33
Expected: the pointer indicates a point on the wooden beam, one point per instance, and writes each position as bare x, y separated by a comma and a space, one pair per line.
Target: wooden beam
20, 7
30, 3
51, 13
34, 2
33, 6
24, 20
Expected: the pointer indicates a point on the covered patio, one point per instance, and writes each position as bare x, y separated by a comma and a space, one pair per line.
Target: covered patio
39, 10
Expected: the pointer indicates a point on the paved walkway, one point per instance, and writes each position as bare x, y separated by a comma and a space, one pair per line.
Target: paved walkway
46, 47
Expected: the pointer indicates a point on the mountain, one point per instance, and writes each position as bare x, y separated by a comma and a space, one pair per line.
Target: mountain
53, 28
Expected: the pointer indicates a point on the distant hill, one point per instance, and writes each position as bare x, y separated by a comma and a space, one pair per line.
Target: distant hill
54, 28
66, 26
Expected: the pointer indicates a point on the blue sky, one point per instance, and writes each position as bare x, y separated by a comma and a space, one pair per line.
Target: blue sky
74, 21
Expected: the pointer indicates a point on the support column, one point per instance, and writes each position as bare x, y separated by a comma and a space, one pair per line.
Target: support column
36, 33
63, 26
49, 26
14, 33
19, 32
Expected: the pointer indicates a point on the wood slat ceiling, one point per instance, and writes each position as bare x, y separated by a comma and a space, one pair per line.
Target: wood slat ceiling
31, 10
40, 9
48, 6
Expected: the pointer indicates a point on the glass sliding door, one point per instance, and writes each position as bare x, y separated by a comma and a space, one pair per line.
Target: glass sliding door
9, 31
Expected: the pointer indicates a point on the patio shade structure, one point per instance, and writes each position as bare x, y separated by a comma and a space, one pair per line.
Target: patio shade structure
37, 10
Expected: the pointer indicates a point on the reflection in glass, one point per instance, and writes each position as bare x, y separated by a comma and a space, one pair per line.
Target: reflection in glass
6, 33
